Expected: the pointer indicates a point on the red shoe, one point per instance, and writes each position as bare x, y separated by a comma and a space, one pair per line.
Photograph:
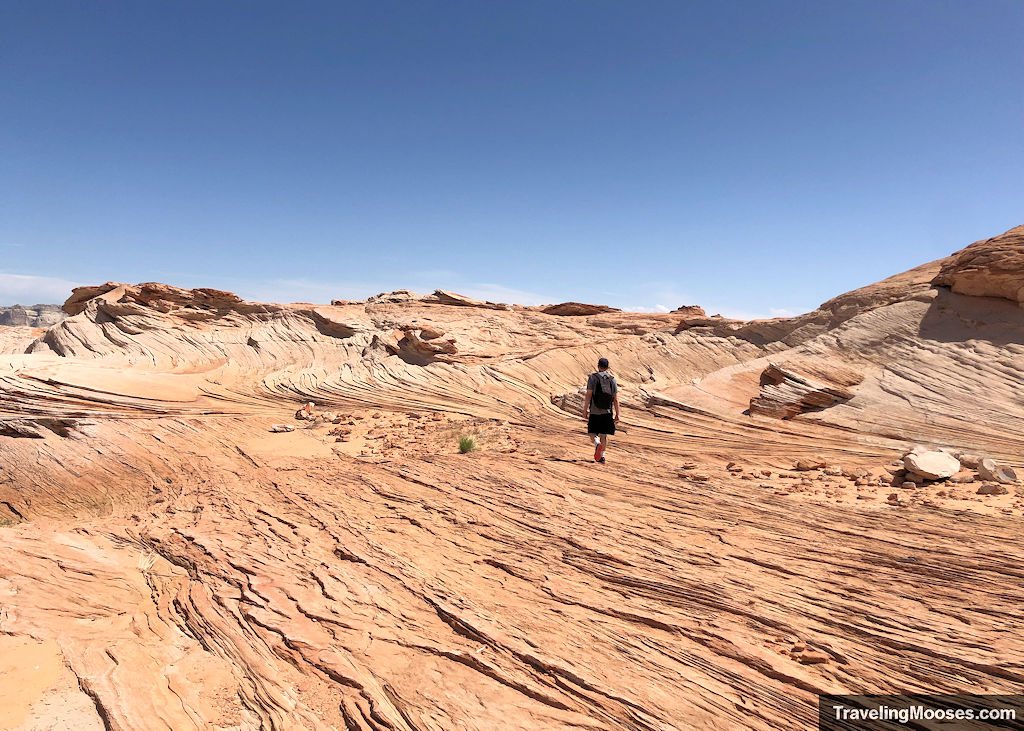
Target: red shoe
599, 453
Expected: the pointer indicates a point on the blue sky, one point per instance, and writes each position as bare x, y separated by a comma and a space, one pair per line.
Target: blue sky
752, 156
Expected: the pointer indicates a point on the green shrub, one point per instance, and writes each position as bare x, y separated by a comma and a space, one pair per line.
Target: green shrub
467, 444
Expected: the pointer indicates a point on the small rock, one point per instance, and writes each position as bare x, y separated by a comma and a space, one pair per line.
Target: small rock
278, 428
813, 657
733, 467
833, 471
893, 497
698, 477
806, 465
992, 488
961, 477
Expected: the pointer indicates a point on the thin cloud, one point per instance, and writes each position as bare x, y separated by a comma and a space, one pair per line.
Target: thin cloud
655, 308
500, 293
32, 289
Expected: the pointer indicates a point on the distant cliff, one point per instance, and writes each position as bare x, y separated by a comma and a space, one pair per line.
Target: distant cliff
34, 316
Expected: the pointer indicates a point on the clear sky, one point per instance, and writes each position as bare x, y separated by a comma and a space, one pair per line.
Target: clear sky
751, 156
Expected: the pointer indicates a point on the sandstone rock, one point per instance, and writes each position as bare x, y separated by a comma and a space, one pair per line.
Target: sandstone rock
290, 585
278, 428
397, 296
969, 460
989, 471
576, 309
806, 465
813, 657
988, 268
34, 316
992, 488
962, 477
793, 388
932, 465
451, 298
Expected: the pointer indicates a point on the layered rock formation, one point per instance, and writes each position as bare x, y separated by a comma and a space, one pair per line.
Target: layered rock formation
34, 316
989, 268
188, 561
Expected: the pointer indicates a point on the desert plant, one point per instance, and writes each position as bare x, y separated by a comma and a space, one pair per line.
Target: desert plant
467, 443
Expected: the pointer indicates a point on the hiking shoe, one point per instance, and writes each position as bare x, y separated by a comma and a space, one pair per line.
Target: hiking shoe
599, 453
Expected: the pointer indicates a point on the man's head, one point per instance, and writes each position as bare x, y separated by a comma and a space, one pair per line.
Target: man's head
602, 364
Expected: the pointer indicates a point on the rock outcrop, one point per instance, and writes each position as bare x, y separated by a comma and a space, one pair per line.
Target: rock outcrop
576, 309
798, 387
34, 316
989, 268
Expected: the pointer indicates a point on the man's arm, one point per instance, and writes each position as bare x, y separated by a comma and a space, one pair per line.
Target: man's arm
586, 403
616, 405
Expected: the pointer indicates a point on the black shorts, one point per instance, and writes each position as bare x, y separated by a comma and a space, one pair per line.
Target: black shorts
600, 424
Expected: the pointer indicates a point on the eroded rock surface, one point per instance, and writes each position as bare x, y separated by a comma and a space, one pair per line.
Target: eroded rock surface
989, 268
192, 563
34, 316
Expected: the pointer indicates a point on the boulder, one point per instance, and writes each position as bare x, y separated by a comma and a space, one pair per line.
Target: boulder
989, 471
934, 465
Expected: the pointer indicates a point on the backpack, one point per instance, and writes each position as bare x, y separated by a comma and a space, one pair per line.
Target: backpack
601, 399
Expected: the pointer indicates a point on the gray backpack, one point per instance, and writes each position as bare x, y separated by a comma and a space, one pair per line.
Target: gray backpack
601, 399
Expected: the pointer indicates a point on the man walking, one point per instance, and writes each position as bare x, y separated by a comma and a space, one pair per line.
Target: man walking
602, 396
